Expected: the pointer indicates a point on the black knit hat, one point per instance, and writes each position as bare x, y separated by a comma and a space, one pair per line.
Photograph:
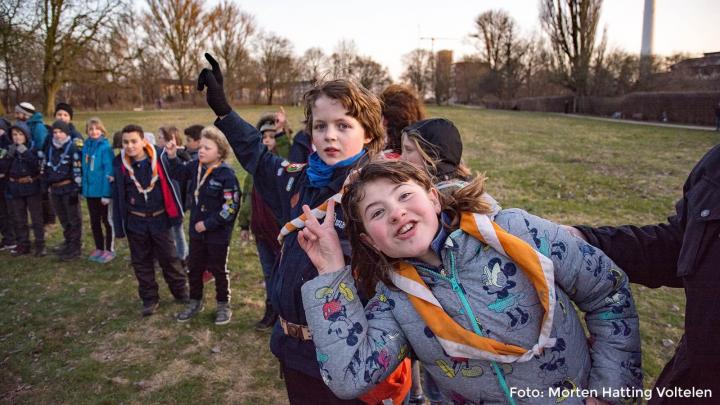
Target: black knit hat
445, 139
64, 107
62, 125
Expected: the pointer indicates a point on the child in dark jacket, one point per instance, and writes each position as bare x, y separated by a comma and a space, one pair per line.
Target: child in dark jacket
7, 224
255, 215
63, 175
213, 209
24, 193
97, 171
146, 205
345, 123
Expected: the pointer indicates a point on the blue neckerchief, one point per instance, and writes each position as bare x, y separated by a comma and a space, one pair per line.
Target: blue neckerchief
50, 164
320, 172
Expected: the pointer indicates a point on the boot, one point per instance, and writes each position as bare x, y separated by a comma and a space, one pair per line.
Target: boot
193, 308
268, 320
224, 313
40, 249
60, 249
73, 251
149, 308
20, 251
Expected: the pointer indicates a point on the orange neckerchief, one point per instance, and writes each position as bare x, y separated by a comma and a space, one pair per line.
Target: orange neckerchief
455, 339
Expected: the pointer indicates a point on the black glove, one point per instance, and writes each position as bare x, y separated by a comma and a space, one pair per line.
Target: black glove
213, 80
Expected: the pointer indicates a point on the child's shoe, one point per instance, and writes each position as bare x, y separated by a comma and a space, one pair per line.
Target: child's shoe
149, 308
224, 313
40, 250
193, 308
106, 256
20, 251
7, 246
95, 255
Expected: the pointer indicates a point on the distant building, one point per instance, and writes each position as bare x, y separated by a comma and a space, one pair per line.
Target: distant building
703, 68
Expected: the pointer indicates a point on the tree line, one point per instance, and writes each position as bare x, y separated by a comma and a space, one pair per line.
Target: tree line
101, 53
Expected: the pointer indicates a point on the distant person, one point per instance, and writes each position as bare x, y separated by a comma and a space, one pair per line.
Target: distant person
682, 253
62, 173
7, 223
401, 106
64, 112
24, 192
192, 140
168, 134
25, 112
96, 174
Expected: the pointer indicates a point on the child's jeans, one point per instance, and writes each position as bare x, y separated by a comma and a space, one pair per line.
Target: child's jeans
181, 246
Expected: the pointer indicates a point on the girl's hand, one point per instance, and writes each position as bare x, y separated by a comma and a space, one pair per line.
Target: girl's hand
171, 148
280, 119
200, 227
321, 242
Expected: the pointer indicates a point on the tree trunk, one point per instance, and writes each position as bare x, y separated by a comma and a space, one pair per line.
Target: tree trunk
270, 96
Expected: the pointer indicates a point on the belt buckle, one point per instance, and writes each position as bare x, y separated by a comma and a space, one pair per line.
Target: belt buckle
294, 331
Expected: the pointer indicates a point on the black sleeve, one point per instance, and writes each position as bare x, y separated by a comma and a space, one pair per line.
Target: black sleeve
648, 254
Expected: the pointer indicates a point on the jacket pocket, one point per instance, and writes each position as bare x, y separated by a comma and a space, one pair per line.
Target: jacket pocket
703, 221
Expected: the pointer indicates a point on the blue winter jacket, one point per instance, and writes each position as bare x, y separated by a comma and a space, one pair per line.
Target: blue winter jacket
285, 188
97, 158
37, 129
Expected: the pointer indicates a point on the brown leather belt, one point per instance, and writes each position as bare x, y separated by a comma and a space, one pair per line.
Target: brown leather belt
22, 180
61, 183
300, 332
147, 214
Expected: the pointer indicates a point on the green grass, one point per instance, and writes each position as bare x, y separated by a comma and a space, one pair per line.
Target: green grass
72, 333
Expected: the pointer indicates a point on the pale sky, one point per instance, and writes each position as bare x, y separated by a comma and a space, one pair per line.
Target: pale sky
388, 29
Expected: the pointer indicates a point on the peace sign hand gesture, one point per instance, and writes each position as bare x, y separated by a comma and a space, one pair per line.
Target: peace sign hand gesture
321, 242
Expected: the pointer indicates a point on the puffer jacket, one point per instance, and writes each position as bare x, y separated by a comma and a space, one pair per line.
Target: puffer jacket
356, 347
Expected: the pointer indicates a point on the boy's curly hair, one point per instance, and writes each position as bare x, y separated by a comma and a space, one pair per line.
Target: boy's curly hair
360, 104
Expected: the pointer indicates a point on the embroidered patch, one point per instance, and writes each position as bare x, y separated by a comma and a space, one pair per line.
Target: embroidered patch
215, 183
224, 214
295, 167
290, 184
228, 195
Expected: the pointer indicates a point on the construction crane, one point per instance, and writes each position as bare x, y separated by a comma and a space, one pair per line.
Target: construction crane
433, 39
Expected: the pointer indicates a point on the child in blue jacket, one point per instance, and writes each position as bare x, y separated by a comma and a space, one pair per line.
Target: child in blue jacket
97, 170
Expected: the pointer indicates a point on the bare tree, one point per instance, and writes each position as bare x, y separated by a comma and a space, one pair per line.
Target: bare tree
342, 57
571, 26
418, 70
176, 29
15, 33
276, 63
232, 29
370, 74
314, 64
502, 49
66, 28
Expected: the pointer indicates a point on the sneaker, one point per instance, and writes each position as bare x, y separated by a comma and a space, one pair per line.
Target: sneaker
207, 277
20, 251
95, 255
193, 308
224, 313
7, 247
60, 249
106, 256
149, 308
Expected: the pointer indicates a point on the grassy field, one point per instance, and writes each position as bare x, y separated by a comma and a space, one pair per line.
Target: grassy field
72, 333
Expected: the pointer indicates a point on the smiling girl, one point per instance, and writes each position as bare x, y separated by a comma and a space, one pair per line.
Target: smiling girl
483, 299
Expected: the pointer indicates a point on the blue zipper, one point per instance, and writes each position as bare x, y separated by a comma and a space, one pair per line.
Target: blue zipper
460, 292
